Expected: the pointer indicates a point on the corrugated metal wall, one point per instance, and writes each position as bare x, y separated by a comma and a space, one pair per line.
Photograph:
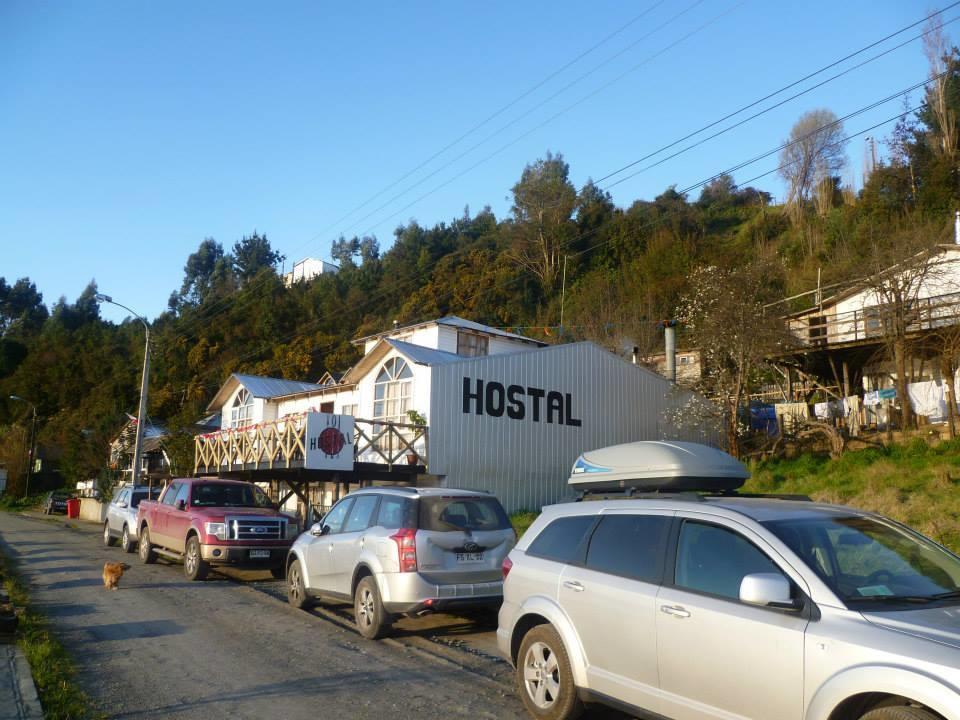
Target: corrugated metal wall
527, 463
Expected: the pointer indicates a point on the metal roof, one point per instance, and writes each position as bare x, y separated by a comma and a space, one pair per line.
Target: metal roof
423, 355
260, 387
453, 321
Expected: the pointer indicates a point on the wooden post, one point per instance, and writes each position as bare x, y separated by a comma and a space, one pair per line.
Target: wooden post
789, 384
846, 379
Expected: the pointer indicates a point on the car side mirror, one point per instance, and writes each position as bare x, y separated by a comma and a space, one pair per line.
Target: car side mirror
767, 590
317, 529
181, 504
121, 504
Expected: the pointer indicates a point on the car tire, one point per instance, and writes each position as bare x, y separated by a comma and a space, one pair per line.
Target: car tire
146, 552
108, 539
296, 587
194, 566
544, 677
899, 713
126, 542
371, 619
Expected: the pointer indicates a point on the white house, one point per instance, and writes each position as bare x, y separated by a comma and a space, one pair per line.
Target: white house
307, 269
503, 412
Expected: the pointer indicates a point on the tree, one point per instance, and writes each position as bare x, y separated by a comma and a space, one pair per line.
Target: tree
814, 151
942, 92
726, 316
208, 269
253, 254
21, 307
901, 267
543, 203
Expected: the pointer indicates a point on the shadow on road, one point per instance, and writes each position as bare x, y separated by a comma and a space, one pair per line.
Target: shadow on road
58, 610
63, 584
133, 630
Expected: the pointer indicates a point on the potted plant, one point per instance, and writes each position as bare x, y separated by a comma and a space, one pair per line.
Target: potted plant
415, 418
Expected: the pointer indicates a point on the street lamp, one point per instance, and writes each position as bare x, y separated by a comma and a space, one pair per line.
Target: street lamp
141, 416
33, 437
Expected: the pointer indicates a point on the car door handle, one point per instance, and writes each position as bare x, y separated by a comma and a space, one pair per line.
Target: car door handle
675, 610
573, 585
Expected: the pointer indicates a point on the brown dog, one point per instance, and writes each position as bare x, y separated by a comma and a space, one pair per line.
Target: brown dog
112, 572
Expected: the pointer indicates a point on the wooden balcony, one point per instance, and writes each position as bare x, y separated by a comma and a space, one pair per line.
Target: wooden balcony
874, 323
282, 445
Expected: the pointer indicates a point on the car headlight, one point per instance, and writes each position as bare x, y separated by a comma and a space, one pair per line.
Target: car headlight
292, 530
217, 529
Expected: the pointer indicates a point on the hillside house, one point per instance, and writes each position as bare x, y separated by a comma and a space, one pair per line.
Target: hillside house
843, 344
307, 269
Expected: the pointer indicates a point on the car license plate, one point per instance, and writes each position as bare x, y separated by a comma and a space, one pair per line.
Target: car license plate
259, 554
469, 557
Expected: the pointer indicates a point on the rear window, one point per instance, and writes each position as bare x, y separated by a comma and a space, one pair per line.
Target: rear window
446, 514
138, 496
562, 539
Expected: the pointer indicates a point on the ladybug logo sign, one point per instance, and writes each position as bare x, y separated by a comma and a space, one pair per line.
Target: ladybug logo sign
329, 441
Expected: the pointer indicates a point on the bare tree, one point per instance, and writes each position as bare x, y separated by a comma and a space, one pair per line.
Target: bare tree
903, 268
727, 318
936, 48
814, 151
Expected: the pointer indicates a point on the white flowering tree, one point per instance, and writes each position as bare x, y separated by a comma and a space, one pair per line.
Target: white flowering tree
725, 317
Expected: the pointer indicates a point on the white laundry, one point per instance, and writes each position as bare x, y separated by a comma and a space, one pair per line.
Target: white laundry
928, 399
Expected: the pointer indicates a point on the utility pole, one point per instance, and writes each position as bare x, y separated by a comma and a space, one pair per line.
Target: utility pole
33, 439
142, 414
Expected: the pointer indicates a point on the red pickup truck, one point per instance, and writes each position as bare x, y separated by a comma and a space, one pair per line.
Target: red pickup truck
215, 522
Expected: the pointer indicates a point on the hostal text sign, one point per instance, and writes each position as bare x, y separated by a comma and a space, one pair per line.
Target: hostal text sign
518, 402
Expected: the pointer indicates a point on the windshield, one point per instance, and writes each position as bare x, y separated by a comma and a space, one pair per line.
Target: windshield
223, 495
868, 561
462, 513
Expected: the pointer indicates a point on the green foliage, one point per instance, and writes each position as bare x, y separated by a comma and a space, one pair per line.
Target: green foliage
619, 270
912, 482
522, 520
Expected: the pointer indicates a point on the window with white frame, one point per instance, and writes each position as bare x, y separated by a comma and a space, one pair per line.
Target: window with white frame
349, 410
392, 391
472, 345
241, 414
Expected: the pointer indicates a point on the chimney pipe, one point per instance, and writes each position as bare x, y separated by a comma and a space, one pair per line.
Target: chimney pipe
670, 338
956, 228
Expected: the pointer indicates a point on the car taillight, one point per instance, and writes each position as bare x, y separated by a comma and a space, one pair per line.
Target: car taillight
507, 565
406, 540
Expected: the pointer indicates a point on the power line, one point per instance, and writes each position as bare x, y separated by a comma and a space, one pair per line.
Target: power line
648, 225
204, 318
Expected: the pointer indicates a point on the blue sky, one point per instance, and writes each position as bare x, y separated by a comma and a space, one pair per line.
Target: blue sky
129, 132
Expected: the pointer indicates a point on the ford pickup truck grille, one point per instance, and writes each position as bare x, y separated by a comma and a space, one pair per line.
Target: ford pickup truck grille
256, 528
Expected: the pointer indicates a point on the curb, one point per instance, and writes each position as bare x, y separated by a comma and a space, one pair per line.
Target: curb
25, 698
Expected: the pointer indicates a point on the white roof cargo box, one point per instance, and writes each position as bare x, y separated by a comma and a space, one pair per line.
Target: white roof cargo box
665, 466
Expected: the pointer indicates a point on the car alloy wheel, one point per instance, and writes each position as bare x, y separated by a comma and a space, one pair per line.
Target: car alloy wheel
125, 542
296, 593
365, 608
541, 675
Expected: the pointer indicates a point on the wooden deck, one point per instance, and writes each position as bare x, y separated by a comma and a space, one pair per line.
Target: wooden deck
281, 445
873, 324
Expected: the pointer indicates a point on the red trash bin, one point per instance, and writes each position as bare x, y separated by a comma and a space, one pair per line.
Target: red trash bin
73, 508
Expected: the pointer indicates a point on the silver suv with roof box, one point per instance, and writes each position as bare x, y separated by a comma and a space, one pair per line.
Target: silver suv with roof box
693, 606
403, 551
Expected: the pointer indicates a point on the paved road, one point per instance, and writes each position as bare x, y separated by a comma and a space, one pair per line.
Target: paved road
164, 647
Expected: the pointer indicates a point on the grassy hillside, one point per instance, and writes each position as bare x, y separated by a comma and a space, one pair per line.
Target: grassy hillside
914, 483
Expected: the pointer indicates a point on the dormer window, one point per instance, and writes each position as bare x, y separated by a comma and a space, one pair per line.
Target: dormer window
393, 390
471, 344
241, 414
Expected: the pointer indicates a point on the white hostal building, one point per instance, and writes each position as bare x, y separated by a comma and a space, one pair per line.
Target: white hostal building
503, 413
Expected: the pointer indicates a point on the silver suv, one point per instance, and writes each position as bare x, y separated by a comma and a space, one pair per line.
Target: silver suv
403, 551
121, 521
732, 607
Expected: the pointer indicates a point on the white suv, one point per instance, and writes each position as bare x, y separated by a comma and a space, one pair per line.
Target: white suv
732, 607
403, 551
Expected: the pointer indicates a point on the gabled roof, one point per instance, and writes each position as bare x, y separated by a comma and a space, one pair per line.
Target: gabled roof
414, 353
452, 321
259, 387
